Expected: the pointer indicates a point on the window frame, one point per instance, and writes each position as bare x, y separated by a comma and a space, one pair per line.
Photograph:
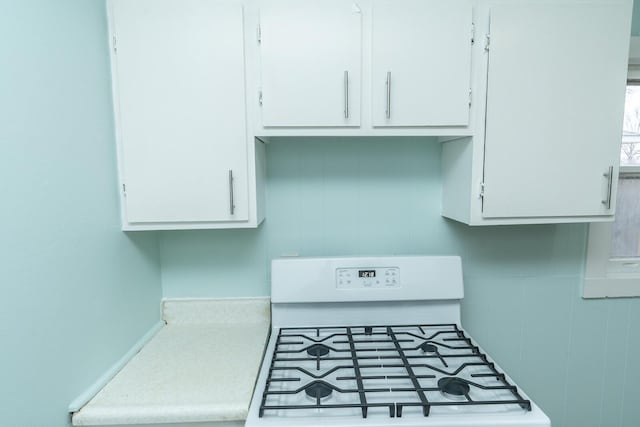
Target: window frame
605, 277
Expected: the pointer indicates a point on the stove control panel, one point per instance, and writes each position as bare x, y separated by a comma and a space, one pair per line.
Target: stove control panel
367, 277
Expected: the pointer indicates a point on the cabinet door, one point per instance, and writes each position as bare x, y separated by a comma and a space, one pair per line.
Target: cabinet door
556, 84
310, 63
180, 99
421, 62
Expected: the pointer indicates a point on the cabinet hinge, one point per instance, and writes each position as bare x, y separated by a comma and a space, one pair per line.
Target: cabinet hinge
473, 33
487, 42
469, 97
114, 44
260, 97
482, 190
124, 190
259, 34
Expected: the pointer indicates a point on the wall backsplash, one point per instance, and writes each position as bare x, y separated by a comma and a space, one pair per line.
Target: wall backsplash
338, 196
358, 196
324, 197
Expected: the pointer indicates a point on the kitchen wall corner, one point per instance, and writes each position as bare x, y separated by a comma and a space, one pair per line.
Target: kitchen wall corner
77, 292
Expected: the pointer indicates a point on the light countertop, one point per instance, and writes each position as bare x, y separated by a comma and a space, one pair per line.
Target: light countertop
200, 367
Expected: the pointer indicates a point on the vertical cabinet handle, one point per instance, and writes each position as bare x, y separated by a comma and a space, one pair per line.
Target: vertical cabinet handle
609, 176
388, 111
232, 207
346, 94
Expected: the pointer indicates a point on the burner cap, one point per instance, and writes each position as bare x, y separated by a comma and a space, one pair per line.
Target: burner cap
318, 389
318, 350
453, 385
428, 348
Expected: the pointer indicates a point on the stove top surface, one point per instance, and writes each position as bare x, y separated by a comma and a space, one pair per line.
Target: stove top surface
390, 371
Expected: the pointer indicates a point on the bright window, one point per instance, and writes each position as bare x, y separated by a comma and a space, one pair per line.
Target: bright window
625, 231
630, 150
613, 253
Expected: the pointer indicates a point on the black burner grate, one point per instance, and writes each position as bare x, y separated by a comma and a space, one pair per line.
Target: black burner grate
360, 355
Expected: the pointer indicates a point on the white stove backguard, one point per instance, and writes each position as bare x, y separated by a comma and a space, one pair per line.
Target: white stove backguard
336, 291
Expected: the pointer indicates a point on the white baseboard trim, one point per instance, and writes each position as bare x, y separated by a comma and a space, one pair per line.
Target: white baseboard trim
94, 388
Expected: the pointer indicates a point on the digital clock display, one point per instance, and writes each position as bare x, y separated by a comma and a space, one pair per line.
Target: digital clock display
366, 273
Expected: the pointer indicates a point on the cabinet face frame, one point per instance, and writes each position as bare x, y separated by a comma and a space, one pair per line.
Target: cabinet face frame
248, 181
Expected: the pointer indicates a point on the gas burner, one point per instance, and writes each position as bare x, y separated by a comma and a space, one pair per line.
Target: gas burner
318, 350
453, 388
318, 389
428, 348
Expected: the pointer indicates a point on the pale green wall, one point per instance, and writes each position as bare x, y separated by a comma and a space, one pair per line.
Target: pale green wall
76, 292
382, 196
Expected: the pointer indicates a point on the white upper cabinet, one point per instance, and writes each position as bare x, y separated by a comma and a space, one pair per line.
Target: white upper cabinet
552, 79
310, 63
527, 94
179, 88
421, 62
368, 67
555, 101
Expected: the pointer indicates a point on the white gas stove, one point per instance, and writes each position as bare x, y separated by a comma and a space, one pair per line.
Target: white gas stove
376, 342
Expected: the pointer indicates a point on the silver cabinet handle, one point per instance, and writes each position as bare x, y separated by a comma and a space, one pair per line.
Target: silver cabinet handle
346, 94
609, 176
388, 111
232, 207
